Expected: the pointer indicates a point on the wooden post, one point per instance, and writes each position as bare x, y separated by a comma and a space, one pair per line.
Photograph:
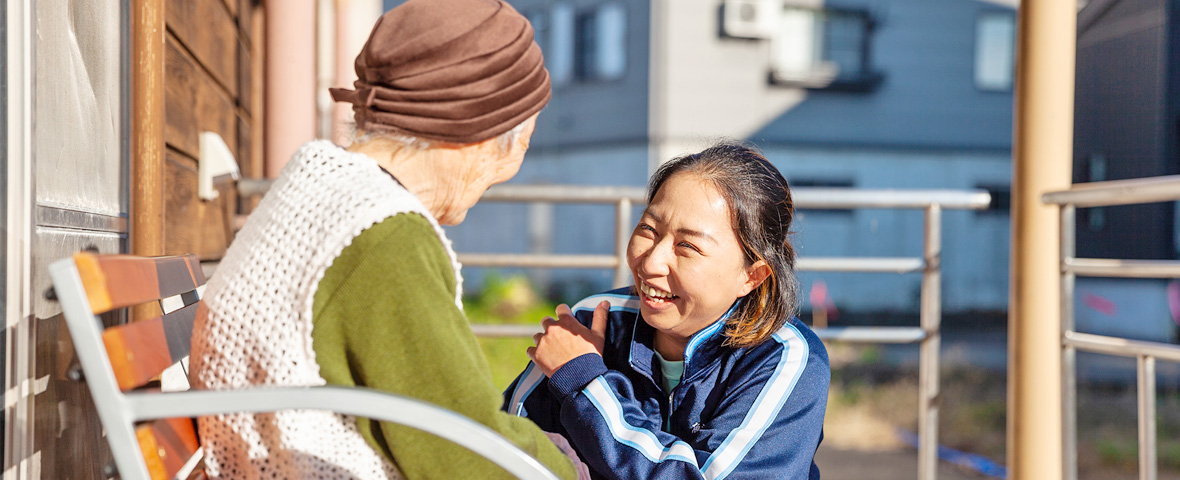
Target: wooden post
1042, 150
147, 133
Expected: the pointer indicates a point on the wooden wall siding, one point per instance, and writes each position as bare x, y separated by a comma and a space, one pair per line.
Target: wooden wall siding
193, 103
192, 225
212, 82
210, 32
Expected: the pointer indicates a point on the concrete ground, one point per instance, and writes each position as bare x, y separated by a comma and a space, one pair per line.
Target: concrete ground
836, 464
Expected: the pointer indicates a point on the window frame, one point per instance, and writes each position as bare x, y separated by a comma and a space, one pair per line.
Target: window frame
587, 56
866, 79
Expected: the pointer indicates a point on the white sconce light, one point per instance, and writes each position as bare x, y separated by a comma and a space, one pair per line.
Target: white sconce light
216, 164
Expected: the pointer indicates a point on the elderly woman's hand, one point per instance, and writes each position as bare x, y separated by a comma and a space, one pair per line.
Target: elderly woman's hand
565, 339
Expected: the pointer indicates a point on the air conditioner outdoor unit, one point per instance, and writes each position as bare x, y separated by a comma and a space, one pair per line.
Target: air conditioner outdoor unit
750, 18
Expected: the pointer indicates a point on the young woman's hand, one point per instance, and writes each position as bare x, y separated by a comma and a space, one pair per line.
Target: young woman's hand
565, 339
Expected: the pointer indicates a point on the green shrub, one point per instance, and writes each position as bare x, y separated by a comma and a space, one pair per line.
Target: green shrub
507, 300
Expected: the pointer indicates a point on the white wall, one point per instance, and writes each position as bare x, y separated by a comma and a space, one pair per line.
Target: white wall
704, 87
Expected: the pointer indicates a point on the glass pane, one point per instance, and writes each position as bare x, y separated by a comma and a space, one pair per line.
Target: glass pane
559, 58
844, 39
795, 50
612, 46
586, 46
995, 37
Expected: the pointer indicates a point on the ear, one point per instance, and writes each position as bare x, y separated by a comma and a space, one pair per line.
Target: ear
755, 275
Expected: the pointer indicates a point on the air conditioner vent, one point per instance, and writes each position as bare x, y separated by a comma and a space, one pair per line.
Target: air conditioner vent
749, 18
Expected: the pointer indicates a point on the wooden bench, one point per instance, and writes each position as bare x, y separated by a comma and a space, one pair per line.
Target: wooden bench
150, 430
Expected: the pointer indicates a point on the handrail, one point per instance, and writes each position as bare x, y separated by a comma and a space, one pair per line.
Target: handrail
254, 187
1102, 194
931, 201
1118, 192
1121, 347
806, 264
1109, 267
839, 334
803, 197
563, 194
928, 336
855, 198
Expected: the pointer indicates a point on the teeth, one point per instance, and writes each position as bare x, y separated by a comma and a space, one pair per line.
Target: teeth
656, 294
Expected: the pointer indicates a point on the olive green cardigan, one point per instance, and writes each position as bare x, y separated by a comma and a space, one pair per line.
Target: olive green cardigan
384, 317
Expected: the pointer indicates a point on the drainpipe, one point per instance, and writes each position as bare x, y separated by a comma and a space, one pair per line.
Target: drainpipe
1042, 159
290, 80
147, 130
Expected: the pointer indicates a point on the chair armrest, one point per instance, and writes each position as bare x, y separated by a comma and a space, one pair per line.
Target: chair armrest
355, 401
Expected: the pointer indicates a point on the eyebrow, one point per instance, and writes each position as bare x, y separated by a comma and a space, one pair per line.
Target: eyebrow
682, 230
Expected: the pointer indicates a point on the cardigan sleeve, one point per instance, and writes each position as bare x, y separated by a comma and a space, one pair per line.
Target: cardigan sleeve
385, 317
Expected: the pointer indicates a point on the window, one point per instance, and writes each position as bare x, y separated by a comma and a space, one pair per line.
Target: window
559, 58
586, 46
823, 49
600, 50
995, 58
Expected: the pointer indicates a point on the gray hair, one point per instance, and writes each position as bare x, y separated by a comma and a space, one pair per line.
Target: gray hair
505, 140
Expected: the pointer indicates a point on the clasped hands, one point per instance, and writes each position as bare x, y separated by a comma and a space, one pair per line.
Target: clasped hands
564, 339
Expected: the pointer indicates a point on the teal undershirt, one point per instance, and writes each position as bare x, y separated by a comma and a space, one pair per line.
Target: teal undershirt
670, 372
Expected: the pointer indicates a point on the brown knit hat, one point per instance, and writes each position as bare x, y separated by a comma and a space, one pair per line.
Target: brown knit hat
459, 71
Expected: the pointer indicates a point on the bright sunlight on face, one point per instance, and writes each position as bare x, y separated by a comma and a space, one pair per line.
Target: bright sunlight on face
687, 261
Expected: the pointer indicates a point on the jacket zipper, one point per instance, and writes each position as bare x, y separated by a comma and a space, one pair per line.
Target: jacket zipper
668, 416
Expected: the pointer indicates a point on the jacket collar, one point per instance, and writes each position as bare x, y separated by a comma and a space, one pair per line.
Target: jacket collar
703, 347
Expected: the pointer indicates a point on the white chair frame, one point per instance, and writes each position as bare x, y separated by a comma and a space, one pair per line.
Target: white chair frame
119, 411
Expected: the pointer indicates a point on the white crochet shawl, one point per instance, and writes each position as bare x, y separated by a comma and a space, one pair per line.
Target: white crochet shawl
254, 326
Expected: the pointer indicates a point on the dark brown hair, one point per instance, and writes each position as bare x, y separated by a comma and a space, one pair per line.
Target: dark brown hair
761, 211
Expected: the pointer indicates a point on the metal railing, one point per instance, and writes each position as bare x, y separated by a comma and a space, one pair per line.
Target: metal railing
1102, 194
927, 335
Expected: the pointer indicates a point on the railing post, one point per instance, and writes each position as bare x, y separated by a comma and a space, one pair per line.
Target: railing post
1069, 381
1147, 456
622, 236
928, 368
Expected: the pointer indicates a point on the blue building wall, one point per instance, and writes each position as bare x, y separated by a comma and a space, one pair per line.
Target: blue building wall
926, 125
927, 99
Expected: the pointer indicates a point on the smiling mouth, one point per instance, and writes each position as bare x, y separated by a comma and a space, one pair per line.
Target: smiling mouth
655, 294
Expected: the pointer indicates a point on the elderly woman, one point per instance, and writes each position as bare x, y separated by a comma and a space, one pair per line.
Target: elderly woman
342, 275
699, 370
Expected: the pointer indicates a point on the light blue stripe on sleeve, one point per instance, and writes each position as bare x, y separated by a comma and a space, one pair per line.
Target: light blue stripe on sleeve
640, 439
528, 382
765, 409
618, 302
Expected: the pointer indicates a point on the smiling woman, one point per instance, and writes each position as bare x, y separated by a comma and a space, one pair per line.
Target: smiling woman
700, 370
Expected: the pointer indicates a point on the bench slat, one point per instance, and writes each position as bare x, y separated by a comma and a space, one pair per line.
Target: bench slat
139, 351
167, 445
139, 279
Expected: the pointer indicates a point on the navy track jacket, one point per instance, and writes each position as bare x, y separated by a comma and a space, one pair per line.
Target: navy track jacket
751, 413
